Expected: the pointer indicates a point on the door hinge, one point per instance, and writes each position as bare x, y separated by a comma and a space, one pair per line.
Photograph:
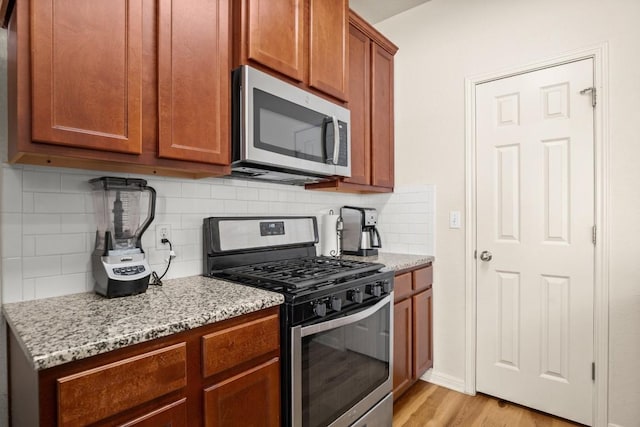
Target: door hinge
591, 90
593, 371
593, 234
475, 254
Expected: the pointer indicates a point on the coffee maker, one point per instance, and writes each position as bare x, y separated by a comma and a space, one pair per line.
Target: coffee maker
120, 266
360, 235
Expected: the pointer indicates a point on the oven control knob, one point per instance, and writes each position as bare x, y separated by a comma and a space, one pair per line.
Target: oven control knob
355, 296
375, 290
320, 308
386, 286
336, 304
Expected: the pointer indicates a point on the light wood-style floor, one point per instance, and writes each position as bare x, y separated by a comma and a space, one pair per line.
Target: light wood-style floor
426, 404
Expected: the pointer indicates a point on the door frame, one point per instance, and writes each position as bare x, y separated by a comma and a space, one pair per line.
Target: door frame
599, 54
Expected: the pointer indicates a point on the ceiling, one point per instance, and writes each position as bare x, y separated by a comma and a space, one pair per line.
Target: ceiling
375, 11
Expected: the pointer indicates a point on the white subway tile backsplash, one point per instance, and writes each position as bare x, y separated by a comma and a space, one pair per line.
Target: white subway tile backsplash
40, 266
53, 244
41, 181
76, 263
12, 280
188, 236
257, 207
248, 194
201, 191
59, 203
77, 223
27, 202
41, 223
29, 246
11, 232
46, 287
47, 243
75, 183
11, 189
224, 192
232, 182
236, 207
28, 289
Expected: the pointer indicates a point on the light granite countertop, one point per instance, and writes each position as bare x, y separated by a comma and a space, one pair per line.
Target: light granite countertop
58, 330
395, 262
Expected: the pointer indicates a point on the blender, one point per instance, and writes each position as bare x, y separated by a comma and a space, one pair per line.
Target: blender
120, 266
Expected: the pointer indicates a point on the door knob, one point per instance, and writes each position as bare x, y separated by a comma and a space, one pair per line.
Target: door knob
486, 256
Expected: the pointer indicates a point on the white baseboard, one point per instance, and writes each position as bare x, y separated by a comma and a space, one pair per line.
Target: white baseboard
444, 380
614, 425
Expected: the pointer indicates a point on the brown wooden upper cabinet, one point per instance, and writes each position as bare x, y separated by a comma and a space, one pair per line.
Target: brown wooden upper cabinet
194, 91
305, 40
128, 86
371, 105
87, 74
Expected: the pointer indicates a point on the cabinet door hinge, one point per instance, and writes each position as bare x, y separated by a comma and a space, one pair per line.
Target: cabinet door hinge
593, 371
594, 234
591, 90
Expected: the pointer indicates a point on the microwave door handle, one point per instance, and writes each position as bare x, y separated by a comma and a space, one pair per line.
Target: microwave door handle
336, 140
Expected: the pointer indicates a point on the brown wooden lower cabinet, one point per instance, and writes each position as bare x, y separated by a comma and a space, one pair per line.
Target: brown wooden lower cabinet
171, 381
251, 398
412, 327
172, 415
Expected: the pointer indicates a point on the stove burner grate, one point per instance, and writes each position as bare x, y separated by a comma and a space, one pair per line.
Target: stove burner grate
300, 273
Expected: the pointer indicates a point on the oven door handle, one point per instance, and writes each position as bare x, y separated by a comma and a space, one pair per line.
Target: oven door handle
336, 323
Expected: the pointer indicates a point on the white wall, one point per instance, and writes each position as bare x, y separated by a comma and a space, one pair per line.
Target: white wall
444, 41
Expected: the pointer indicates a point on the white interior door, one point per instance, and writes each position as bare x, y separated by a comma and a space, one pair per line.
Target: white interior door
535, 213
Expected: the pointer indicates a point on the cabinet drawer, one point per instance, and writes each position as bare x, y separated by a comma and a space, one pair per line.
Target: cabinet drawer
402, 286
173, 415
233, 346
422, 278
95, 394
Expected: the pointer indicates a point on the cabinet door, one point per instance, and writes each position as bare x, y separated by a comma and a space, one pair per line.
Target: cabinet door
422, 332
381, 117
87, 73
173, 415
276, 35
194, 80
402, 337
359, 104
251, 398
328, 64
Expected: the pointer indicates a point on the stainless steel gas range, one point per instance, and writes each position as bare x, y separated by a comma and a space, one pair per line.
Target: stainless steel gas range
336, 322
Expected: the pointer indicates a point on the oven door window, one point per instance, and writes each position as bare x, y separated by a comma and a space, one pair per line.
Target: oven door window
285, 128
342, 366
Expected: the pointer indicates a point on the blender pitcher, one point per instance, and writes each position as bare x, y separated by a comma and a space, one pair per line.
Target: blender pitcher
120, 267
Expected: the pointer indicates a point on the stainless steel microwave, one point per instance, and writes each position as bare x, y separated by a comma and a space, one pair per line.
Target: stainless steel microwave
281, 133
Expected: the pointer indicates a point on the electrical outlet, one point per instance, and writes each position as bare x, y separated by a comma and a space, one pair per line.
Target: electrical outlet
163, 231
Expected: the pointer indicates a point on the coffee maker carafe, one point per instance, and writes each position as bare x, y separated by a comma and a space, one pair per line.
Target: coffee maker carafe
360, 235
120, 266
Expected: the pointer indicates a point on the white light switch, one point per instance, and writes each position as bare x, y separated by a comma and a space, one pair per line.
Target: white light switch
454, 219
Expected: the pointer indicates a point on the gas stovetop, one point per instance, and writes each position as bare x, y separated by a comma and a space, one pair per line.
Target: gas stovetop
301, 273
278, 254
